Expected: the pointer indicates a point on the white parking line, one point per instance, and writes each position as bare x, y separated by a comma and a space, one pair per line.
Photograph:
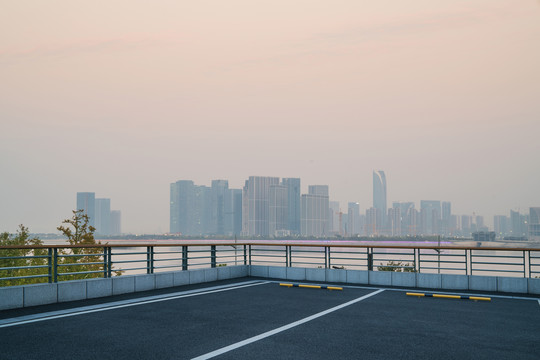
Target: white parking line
124, 303
283, 328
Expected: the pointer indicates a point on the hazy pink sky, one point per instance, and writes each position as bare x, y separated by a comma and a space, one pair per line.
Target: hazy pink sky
124, 97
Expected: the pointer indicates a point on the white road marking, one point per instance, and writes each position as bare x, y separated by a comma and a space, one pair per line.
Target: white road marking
283, 328
122, 304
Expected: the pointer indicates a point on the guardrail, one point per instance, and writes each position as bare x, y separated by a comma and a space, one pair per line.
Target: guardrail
53, 263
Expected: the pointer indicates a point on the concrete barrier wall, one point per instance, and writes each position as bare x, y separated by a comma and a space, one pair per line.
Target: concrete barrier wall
40, 294
13, 297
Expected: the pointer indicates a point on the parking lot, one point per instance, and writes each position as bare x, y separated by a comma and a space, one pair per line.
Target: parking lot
248, 318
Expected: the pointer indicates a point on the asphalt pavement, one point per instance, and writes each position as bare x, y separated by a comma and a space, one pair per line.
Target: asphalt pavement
248, 319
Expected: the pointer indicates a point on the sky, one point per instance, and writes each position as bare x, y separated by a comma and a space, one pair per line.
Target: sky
122, 98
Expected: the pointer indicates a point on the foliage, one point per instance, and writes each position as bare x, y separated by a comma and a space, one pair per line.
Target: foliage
397, 266
80, 259
16, 258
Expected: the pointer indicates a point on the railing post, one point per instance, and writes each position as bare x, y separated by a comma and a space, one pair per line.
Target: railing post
109, 262
55, 265
245, 254
249, 255
524, 265
326, 256
370, 259
287, 256
419, 260
50, 264
471, 260
529, 260
105, 266
414, 263
184, 257
149, 259
213, 256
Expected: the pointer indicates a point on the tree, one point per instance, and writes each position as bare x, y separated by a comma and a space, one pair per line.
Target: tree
397, 266
22, 262
89, 262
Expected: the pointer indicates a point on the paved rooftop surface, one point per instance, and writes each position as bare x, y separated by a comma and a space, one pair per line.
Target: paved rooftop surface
258, 319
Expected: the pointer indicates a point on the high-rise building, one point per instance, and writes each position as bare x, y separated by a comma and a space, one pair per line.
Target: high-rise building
518, 222
103, 216
87, 201
293, 203
354, 219
446, 218
334, 218
500, 225
279, 211
116, 222
534, 224
256, 205
407, 217
379, 199
430, 211
218, 216
315, 208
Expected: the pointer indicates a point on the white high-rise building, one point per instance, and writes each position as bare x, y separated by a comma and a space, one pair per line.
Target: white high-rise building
315, 208
256, 205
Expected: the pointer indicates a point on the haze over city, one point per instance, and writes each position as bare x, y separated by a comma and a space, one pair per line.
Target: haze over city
125, 99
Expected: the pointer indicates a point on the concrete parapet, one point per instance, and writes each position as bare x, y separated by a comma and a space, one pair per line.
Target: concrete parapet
40, 294
11, 297
315, 274
512, 285
123, 284
145, 282
455, 282
239, 271
196, 276
429, 281
403, 279
210, 274
258, 271
534, 286
164, 280
277, 272
336, 275
357, 277
296, 273
223, 272
483, 283
180, 278
380, 278
99, 288
72, 290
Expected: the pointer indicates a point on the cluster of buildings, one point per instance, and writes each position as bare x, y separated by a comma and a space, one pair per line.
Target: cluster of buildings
274, 207
106, 221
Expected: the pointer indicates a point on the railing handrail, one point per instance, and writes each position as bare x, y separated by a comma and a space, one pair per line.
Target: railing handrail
312, 244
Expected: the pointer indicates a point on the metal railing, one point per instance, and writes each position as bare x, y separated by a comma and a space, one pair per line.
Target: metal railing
53, 263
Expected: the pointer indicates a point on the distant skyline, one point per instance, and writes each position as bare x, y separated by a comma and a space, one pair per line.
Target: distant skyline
124, 99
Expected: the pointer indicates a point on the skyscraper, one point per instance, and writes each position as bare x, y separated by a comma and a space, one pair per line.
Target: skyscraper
379, 198
353, 215
315, 208
430, 212
279, 211
116, 222
87, 201
256, 205
446, 216
534, 224
103, 216
293, 196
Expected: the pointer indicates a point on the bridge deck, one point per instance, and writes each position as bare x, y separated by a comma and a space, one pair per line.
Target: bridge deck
258, 319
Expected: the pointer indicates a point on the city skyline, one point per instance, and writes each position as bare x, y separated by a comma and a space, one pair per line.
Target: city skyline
442, 95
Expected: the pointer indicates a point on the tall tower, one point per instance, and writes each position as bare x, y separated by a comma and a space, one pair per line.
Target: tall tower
87, 201
256, 205
379, 197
